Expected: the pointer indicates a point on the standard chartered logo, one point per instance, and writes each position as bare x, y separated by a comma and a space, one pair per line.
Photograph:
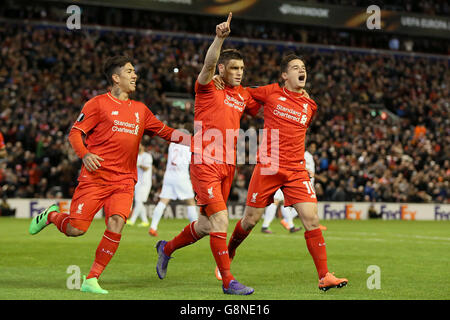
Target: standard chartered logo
125, 127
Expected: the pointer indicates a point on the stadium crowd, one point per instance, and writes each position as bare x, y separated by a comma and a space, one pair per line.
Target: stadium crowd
203, 24
430, 7
398, 155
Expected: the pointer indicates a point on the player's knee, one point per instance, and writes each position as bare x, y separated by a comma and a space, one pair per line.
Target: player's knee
248, 223
74, 232
312, 222
219, 221
251, 217
115, 223
202, 227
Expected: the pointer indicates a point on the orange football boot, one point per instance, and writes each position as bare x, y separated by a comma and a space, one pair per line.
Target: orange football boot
330, 281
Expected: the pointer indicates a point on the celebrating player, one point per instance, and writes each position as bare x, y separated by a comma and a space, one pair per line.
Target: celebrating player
113, 125
142, 187
289, 111
176, 185
217, 113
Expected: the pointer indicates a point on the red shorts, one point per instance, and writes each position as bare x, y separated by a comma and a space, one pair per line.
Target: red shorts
89, 198
296, 187
212, 184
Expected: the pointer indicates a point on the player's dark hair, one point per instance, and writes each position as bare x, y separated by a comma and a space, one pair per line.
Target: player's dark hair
112, 64
285, 61
229, 54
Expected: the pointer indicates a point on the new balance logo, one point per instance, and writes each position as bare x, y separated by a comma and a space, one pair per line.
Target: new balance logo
282, 98
254, 197
115, 113
321, 244
210, 192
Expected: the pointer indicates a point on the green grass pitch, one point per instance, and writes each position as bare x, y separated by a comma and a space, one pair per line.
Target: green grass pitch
413, 257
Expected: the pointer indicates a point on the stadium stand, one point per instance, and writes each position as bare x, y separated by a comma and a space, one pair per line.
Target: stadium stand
382, 130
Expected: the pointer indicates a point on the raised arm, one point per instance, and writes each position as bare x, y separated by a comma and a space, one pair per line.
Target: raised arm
213, 53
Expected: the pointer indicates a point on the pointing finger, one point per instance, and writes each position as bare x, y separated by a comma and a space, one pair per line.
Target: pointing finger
229, 18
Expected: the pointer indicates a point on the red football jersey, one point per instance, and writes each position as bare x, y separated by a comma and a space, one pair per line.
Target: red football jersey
217, 120
290, 113
113, 130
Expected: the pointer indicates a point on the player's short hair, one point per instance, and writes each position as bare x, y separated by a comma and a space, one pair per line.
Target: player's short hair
229, 54
112, 64
285, 61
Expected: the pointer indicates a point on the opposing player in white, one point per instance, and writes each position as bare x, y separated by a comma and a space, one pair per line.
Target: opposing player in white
176, 185
287, 213
142, 187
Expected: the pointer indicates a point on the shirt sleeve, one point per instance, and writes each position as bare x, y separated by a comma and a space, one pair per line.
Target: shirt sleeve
89, 116
205, 88
76, 141
260, 94
252, 107
314, 111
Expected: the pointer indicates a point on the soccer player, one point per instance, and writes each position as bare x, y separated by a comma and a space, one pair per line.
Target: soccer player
176, 185
113, 126
288, 111
217, 114
142, 187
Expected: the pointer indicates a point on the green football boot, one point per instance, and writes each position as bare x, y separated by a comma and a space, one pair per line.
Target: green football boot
91, 285
40, 221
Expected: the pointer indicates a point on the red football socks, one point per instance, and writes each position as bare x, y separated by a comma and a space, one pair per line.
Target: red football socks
318, 251
218, 243
105, 251
239, 235
60, 220
186, 237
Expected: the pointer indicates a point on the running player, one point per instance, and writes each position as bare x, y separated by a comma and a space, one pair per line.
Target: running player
176, 185
142, 187
217, 115
113, 125
287, 115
